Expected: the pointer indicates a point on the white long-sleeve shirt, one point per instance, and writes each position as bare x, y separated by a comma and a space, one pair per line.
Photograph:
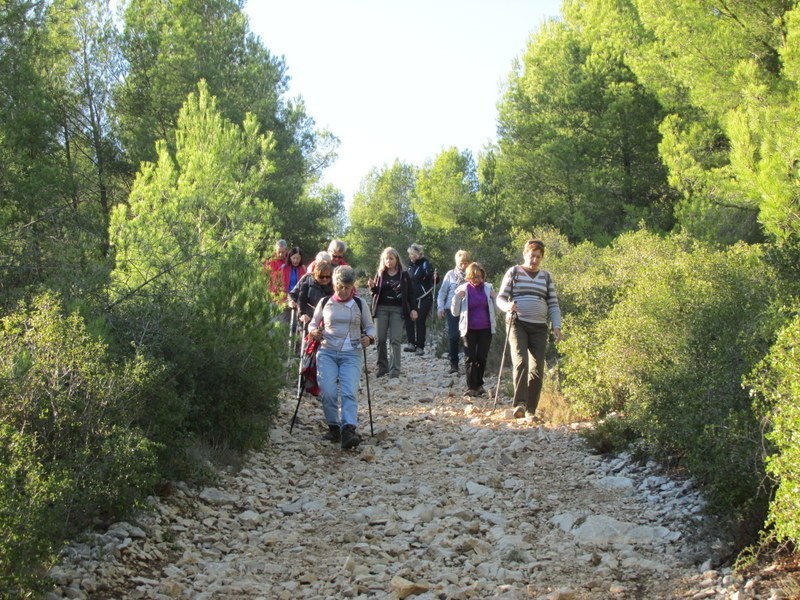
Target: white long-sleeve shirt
343, 325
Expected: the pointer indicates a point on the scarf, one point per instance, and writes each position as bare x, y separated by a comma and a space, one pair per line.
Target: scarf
460, 277
338, 298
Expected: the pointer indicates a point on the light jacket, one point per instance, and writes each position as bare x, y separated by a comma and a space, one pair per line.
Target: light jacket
460, 307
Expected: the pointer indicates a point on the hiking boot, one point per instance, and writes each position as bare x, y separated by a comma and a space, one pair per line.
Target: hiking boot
470, 392
350, 439
519, 411
533, 418
453, 368
480, 391
333, 435
409, 348
420, 352
381, 373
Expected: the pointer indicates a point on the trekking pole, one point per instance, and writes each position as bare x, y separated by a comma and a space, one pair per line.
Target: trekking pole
292, 325
300, 385
435, 301
511, 320
369, 401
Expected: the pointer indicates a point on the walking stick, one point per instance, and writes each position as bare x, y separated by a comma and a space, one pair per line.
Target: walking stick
435, 300
511, 320
300, 385
292, 323
369, 401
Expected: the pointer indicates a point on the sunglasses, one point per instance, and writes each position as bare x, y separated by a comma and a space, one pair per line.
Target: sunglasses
324, 277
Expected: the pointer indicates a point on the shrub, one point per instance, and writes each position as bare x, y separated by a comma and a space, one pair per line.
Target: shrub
69, 448
223, 352
683, 325
776, 380
592, 281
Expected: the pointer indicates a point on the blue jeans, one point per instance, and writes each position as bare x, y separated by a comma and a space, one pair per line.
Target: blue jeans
335, 369
453, 336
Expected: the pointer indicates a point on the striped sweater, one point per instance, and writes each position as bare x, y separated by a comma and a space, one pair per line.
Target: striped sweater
535, 296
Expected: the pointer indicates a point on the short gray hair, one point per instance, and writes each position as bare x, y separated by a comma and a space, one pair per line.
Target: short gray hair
344, 275
337, 246
323, 256
416, 249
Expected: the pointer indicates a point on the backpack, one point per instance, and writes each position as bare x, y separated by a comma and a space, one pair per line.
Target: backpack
546, 297
358, 300
308, 366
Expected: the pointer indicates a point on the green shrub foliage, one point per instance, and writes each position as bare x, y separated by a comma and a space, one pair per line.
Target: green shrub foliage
187, 286
70, 450
777, 382
679, 326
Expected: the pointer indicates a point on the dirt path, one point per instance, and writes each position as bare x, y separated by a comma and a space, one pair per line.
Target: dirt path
447, 500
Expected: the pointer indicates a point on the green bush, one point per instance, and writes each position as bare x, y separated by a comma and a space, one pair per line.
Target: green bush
777, 382
223, 352
592, 281
70, 451
683, 324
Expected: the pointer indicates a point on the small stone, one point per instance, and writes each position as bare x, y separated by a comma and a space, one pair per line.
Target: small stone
405, 588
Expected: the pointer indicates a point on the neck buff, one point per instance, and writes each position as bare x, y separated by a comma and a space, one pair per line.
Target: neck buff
460, 276
339, 298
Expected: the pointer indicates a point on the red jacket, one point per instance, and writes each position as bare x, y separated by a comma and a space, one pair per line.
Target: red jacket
287, 273
273, 269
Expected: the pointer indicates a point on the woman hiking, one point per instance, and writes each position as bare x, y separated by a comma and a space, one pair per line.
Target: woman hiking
473, 304
343, 326
422, 274
528, 296
392, 304
452, 279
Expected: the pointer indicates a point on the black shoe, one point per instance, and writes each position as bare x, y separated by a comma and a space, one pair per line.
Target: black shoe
453, 368
350, 439
381, 373
409, 348
519, 411
333, 435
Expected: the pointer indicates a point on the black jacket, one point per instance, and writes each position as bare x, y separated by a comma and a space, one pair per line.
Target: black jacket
406, 293
308, 292
421, 273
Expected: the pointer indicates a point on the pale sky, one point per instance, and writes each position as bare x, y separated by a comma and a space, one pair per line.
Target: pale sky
398, 79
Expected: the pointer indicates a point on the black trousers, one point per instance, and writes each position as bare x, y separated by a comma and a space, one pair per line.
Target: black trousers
477, 342
416, 331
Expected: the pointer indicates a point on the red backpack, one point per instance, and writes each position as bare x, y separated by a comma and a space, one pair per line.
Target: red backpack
308, 366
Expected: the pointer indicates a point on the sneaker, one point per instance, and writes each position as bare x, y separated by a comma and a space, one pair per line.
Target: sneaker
453, 368
394, 375
519, 412
380, 373
333, 435
420, 352
350, 439
409, 348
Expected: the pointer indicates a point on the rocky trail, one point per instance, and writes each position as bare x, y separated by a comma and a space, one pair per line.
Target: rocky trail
448, 499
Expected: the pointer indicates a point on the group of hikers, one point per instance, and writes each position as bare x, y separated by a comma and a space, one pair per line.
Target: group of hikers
329, 311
